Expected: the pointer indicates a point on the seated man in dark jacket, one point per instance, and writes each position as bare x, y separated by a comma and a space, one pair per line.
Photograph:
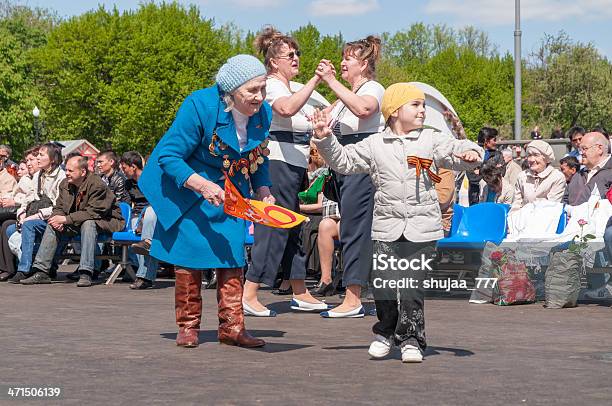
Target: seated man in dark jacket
107, 165
594, 178
85, 206
597, 171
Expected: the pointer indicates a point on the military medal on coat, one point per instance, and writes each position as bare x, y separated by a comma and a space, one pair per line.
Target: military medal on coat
246, 166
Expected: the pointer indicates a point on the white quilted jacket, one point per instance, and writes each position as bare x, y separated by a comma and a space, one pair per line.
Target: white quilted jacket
403, 204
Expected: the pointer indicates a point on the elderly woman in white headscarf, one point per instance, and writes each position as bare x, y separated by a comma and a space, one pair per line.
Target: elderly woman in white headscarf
541, 180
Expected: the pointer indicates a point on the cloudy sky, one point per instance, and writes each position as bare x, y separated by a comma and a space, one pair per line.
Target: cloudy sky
583, 20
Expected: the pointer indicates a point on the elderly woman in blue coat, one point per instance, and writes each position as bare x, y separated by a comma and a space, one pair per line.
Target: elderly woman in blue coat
219, 130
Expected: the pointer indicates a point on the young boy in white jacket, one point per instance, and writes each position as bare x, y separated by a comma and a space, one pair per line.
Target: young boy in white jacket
402, 162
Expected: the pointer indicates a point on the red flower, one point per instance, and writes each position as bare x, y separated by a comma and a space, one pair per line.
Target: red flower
582, 222
497, 256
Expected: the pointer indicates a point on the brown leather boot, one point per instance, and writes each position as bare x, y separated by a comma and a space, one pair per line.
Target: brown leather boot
188, 305
231, 316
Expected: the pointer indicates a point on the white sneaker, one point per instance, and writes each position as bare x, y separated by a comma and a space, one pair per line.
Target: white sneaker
380, 347
479, 301
410, 353
605, 292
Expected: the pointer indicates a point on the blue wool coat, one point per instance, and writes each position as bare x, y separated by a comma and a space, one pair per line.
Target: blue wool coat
191, 232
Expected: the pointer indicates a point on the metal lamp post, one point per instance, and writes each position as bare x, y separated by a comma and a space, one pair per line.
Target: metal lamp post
517, 70
36, 114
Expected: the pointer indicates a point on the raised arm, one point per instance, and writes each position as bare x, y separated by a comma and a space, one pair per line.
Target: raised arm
288, 106
347, 160
361, 106
458, 155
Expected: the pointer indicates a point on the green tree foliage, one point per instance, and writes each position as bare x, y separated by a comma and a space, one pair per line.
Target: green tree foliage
571, 84
480, 88
21, 30
117, 79
463, 65
404, 47
421, 42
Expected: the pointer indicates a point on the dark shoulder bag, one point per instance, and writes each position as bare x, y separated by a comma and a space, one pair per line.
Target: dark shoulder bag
43, 201
330, 187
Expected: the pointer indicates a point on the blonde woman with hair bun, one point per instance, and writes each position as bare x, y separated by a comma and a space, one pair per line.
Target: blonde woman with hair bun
354, 117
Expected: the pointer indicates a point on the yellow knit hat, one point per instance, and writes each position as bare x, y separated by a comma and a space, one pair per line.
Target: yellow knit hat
397, 95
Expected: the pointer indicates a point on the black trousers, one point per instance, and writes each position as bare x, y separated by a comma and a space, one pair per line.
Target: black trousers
356, 211
276, 247
310, 233
7, 259
400, 310
473, 187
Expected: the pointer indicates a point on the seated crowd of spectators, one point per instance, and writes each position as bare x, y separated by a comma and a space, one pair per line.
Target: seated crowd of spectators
47, 203
514, 176
44, 202
507, 177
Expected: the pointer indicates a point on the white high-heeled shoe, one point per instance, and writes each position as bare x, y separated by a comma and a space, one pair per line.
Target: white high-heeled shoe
297, 304
249, 311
